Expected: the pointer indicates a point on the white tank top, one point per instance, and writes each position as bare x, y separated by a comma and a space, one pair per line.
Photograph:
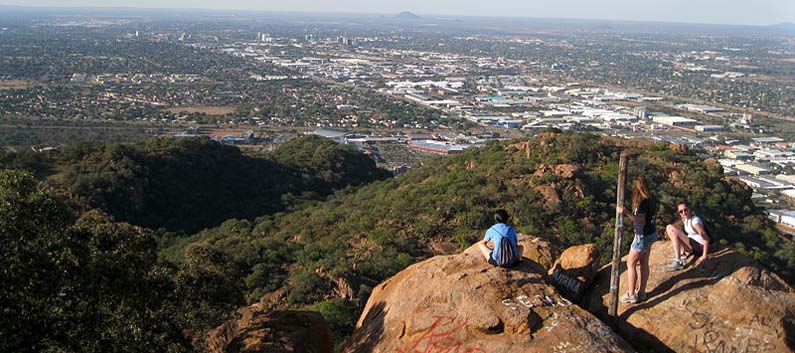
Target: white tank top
691, 230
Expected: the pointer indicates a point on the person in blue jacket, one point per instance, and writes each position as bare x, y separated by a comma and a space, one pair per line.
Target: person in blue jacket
498, 233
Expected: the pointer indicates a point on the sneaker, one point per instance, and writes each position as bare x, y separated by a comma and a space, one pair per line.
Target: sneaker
682, 256
641, 297
676, 266
627, 298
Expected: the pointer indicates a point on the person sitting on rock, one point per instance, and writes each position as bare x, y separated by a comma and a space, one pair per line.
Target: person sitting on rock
644, 207
694, 240
500, 246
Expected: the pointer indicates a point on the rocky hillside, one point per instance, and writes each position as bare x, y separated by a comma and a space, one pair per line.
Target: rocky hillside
330, 254
460, 303
558, 186
727, 304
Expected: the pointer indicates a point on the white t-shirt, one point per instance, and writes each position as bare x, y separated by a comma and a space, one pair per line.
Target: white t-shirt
691, 230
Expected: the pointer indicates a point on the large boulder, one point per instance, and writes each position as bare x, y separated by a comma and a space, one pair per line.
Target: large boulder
282, 331
574, 270
536, 249
459, 303
728, 304
579, 262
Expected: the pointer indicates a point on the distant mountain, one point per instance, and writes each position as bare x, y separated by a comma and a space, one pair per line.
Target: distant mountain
785, 26
407, 15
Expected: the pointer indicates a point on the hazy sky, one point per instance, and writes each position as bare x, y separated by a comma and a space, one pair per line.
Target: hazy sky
699, 11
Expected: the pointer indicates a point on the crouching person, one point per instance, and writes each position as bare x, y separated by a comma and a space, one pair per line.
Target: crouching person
500, 246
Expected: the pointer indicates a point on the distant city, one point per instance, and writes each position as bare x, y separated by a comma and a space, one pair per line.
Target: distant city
402, 88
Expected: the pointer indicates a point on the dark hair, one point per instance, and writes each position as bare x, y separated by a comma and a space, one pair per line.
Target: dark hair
683, 202
501, 216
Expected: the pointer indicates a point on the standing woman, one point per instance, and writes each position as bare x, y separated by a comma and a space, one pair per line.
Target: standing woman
644, 207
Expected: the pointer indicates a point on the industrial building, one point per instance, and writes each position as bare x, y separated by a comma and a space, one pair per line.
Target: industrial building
698, 108
675, 121
439, 147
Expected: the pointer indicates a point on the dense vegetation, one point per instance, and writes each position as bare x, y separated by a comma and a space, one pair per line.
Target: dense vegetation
190, 184
92, 282
89, 284
74, 279
331, 254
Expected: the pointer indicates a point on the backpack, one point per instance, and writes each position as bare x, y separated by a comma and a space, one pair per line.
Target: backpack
709, 227
507, 253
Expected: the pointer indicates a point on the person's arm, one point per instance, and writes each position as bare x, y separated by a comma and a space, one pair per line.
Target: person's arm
699, 228
484, 247
486, 243
636, 219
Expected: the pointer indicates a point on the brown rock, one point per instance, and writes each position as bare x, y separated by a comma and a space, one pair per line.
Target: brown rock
576, 190
536, 249
728, 304
444, 246
272, 299
565, 171
550, 194
459, 303
272, 332
712, 162
678, 148
578, 262
342, 289
520, 147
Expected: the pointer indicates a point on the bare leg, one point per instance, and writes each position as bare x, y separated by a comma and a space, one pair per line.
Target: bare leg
632, 272
679, 240
644, 271
484, 250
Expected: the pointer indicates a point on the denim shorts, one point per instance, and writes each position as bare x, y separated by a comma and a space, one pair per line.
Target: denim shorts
642, 243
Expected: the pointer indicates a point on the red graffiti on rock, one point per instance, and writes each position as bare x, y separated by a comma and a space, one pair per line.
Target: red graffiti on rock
442, 337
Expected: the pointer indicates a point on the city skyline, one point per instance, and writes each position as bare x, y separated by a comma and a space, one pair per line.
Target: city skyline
763, 12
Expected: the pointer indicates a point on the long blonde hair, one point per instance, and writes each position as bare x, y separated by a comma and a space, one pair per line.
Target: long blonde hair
639, 192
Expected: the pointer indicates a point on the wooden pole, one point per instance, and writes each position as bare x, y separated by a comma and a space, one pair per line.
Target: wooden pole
615, 274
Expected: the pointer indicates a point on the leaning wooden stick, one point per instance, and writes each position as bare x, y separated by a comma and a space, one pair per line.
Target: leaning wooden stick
615, 274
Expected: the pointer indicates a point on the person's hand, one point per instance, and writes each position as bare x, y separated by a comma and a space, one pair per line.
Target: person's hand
620, 209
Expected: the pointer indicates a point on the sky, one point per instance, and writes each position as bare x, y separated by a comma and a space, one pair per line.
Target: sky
751, 12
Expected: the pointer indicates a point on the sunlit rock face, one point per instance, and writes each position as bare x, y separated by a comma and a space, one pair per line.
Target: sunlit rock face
727, 304
459, 303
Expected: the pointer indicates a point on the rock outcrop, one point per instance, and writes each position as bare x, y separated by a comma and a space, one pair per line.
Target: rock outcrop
282, 331
728, 304
459, 303
574, 270
579, 262
565, 171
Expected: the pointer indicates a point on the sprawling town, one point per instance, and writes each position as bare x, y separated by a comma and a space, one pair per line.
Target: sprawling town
401, 92
355, 176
